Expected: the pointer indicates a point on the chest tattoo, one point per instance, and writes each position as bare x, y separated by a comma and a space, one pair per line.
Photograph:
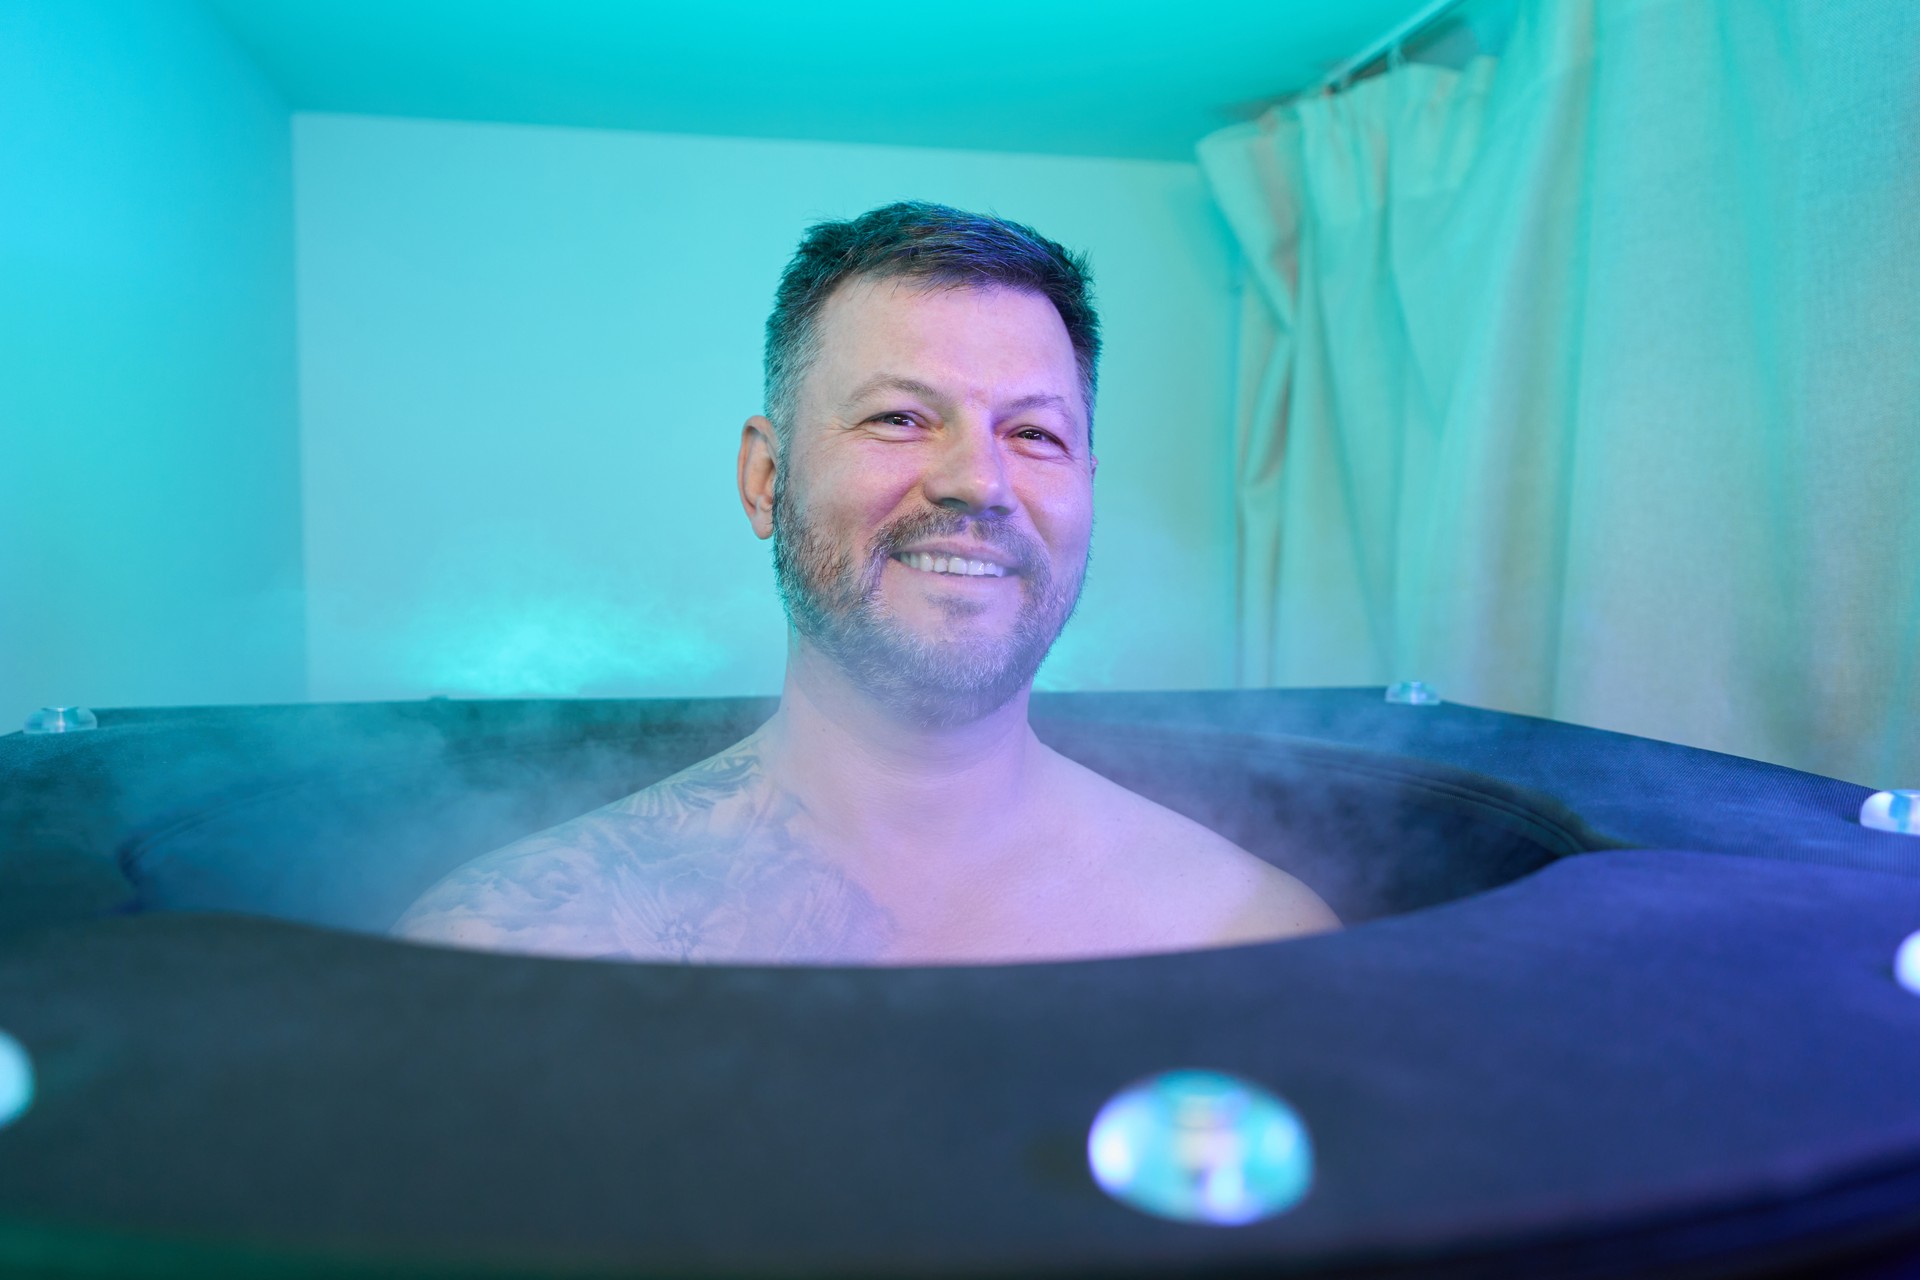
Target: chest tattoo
707, 865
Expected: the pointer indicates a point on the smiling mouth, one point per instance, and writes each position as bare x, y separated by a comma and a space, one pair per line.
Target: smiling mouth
951, 566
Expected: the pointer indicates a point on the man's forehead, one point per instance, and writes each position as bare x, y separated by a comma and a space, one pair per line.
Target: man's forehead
901, 295
877, 335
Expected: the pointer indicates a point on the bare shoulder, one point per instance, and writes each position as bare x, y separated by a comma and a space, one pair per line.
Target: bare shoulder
1214, 888
703, 866
537, 895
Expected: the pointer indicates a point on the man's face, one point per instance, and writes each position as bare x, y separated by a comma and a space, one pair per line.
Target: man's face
948, 420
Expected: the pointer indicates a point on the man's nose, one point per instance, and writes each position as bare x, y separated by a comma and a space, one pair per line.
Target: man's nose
969, 473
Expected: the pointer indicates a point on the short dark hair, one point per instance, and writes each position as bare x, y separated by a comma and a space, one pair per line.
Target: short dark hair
931, 244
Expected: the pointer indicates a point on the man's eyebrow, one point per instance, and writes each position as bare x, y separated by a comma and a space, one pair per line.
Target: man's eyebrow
894, 382
915, 387
1039, 400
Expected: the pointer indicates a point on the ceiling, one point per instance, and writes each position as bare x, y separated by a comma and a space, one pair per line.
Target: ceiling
1140, 78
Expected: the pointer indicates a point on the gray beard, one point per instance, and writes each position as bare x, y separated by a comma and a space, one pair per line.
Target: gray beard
835, 605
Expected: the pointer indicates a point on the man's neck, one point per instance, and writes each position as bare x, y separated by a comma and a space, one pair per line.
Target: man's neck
890, 794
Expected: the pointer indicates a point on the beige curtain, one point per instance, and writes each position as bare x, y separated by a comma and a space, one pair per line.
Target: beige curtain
1584, 380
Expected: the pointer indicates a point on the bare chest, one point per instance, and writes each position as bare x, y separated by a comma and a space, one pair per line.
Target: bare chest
1106, 890
1103, 874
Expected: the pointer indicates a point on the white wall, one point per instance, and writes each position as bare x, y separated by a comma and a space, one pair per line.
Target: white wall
149, 497
525, 355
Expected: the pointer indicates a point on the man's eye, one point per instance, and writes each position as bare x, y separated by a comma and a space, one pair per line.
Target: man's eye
896, 419
1044, 435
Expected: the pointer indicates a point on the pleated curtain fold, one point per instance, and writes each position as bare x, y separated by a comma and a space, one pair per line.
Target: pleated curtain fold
1584, 380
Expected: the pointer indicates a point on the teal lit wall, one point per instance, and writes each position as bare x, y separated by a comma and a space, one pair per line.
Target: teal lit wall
149, 483
526, 354
522, 358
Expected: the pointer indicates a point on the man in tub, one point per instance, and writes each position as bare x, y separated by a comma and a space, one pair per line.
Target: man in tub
925, 471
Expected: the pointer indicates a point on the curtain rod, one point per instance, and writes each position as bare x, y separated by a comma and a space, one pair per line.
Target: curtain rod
1424, 16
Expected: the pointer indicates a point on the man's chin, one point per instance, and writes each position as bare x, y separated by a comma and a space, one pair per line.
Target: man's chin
936, 670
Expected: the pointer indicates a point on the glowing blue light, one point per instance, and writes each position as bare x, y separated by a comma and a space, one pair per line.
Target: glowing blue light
62, 720
1200, 1146
1414, 693
16, 1079
1892, 811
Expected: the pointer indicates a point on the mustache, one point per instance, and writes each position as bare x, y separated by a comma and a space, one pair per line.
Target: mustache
998, 534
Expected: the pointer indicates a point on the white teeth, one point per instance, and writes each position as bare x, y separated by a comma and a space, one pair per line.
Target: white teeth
927, 562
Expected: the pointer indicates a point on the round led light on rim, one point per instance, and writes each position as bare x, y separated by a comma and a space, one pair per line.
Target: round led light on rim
62, 720
16, 1079
1897, 811
1200, 1146
1413, 693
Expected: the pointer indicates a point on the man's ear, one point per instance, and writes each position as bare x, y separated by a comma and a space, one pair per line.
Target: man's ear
757, 473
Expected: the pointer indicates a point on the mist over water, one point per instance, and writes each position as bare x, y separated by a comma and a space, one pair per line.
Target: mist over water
342, 815
520, 614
